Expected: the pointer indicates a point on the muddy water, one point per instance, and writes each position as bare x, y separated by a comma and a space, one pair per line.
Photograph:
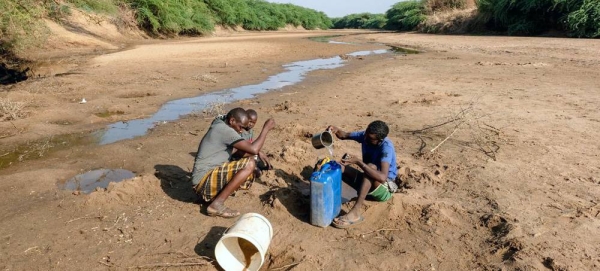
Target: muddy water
90, 181
249, 250
41, 148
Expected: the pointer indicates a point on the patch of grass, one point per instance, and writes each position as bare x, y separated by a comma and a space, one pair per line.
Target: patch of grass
10, 110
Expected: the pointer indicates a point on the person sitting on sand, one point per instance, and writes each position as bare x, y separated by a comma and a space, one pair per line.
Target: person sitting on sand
376, 179
248, 134
215, 175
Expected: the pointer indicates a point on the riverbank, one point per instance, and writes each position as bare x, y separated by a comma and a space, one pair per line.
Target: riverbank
512, 182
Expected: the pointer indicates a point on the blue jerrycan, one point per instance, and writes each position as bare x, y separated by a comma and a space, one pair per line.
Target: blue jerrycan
325, 194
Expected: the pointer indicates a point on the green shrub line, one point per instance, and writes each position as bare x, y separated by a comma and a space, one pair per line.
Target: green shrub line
22, 27
579, 18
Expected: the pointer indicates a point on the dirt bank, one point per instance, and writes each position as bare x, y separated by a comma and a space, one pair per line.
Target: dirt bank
512, 184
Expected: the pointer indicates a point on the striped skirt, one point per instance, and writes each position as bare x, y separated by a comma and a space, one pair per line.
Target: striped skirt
211, 184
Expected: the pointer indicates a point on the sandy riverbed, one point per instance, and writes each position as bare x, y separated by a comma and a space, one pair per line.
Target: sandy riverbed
514, 186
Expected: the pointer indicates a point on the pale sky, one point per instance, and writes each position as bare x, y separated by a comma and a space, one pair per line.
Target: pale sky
341, 8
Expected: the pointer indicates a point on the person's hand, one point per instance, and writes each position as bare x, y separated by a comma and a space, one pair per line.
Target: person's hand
332, 129
269, 124
263, 157
351, 159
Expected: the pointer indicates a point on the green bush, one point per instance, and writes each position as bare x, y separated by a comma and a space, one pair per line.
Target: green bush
581, 18
305, 17
229, 12
522, 17
378, 21
293, 14
360, 21
21, 26
199, 16
173, 17
264, 16
405, 15
585, 21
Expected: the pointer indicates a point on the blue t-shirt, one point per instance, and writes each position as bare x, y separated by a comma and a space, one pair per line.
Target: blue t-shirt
384, 152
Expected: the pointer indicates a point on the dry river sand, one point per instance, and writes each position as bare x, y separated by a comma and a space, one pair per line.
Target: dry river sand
513, 182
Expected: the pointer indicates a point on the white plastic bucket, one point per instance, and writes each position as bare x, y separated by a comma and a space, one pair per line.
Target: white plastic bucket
244, 246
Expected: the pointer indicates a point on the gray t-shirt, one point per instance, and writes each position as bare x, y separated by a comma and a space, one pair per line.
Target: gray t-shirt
248, 135
215, 148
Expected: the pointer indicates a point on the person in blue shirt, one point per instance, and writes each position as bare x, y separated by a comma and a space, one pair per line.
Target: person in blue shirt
376, 178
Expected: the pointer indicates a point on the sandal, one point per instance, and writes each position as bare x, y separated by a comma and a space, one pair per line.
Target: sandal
224, 212
342, 222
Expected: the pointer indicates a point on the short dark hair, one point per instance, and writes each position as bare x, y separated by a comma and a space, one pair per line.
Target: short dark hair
378, 128
251, 112
237, 113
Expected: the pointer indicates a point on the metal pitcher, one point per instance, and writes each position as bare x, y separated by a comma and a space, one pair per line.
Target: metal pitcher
322, 140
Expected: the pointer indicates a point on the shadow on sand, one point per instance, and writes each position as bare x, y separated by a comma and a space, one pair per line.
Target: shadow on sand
206, 247
295, 196
176, 183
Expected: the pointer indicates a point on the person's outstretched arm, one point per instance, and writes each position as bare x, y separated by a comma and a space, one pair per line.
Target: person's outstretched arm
338, 132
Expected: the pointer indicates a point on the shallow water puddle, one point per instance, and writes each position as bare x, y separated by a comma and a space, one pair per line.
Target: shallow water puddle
89, 181
294, 73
